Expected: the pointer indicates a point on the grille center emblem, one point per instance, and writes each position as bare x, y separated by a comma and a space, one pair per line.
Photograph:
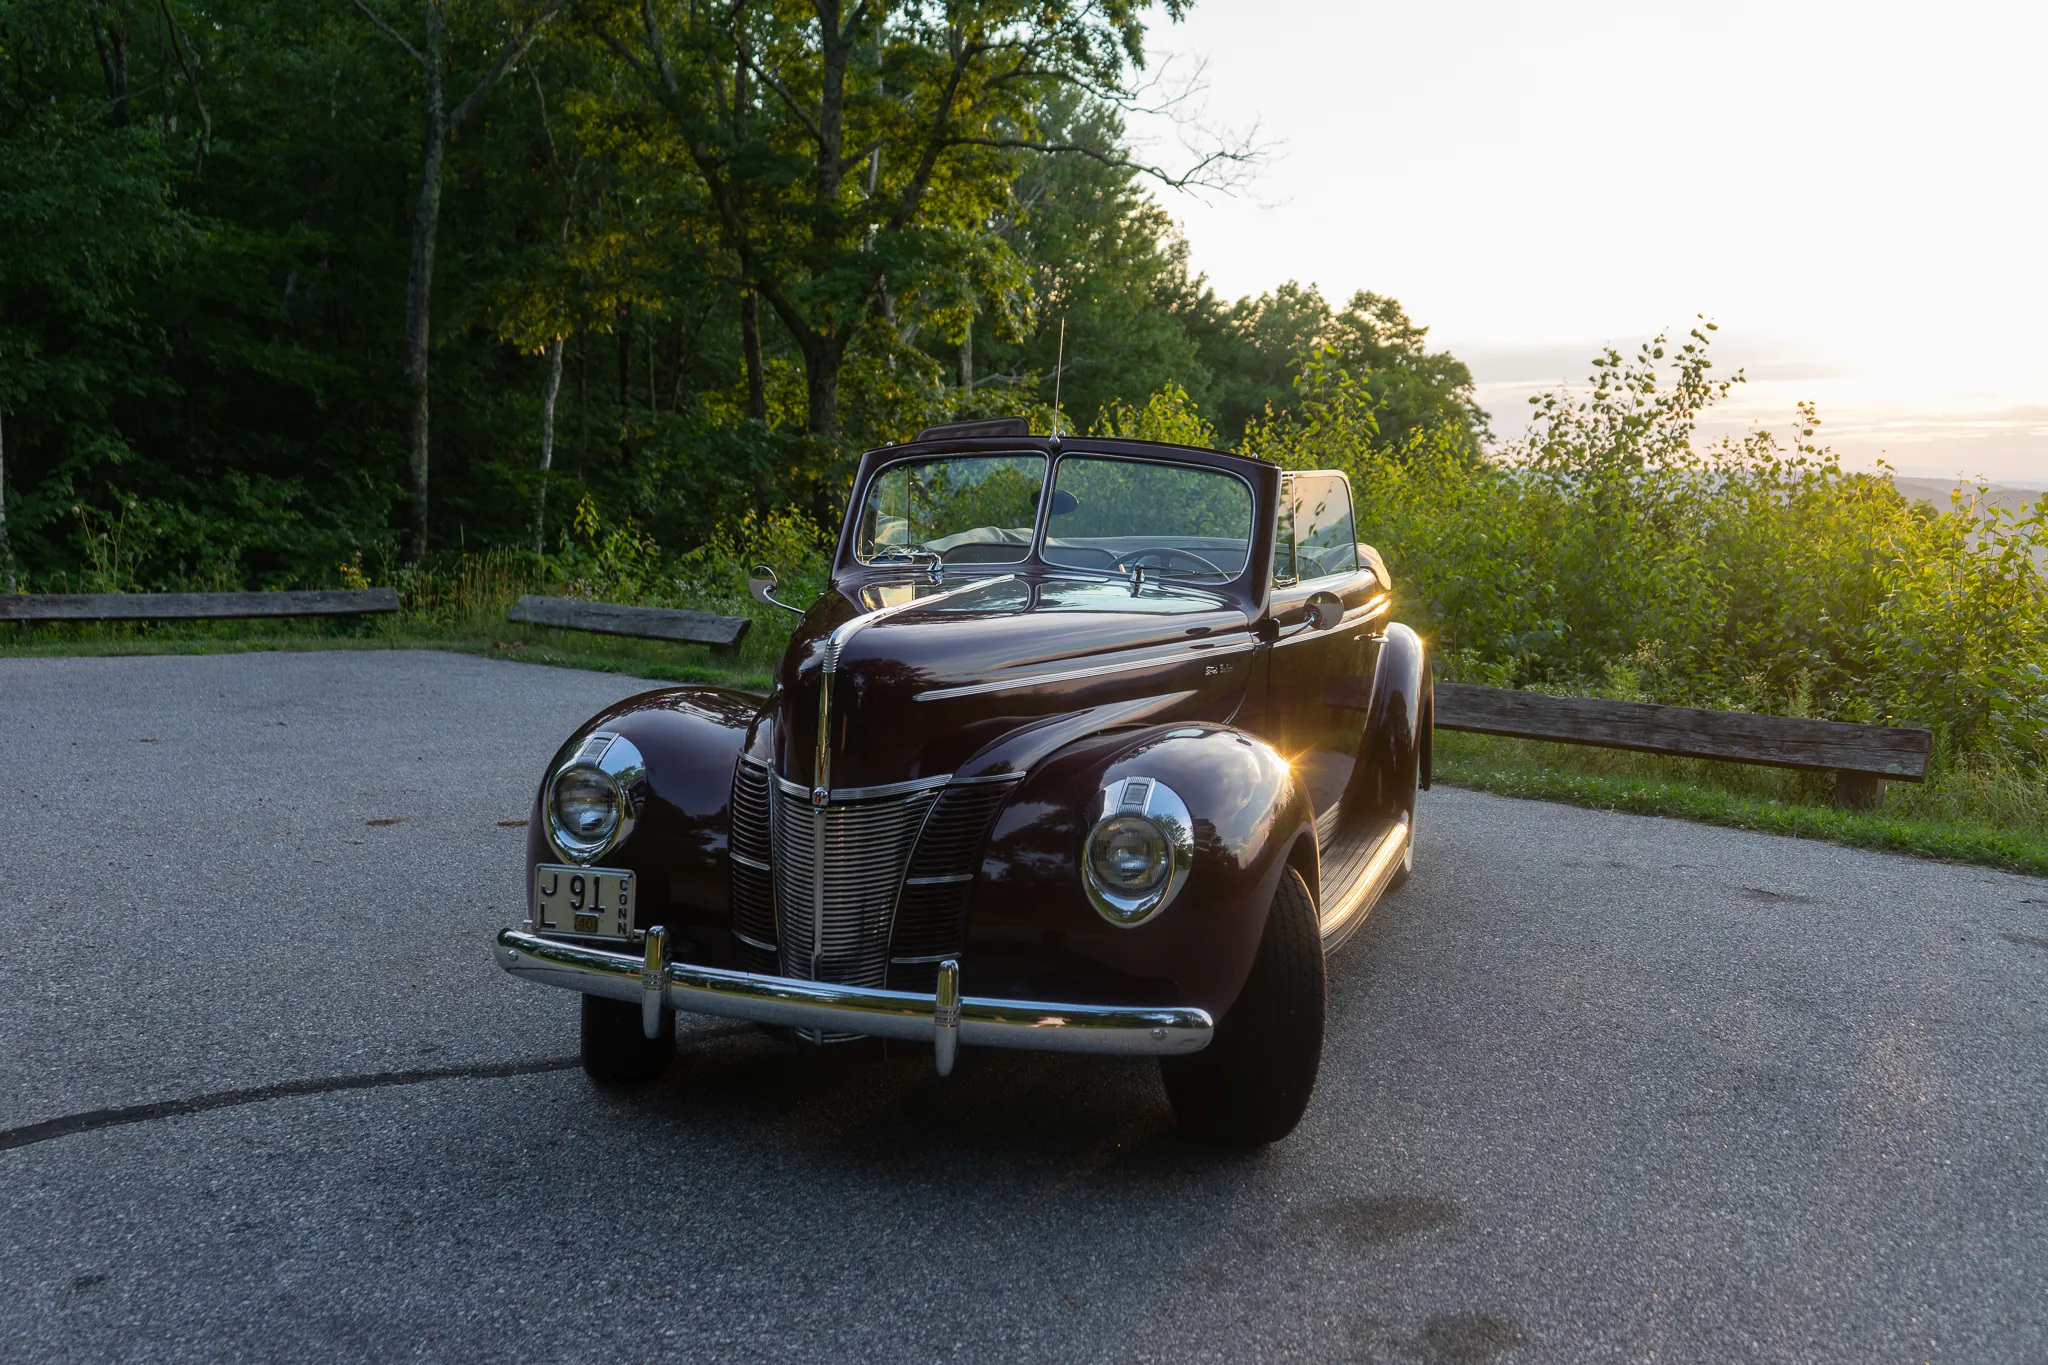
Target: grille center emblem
819, 796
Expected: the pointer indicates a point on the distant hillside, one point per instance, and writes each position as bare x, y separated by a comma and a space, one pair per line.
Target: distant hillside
1937, 491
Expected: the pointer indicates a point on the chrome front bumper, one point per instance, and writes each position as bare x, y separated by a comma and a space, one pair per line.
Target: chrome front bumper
945, 1020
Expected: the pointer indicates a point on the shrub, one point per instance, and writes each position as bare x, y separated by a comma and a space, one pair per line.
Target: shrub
1607, 550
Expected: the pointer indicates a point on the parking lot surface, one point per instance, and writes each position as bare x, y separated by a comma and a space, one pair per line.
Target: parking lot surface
1597, 1087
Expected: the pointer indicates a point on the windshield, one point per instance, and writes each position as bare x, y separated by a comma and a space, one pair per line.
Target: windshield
971, 509
1119, 515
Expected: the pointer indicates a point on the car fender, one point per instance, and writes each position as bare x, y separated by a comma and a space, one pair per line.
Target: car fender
1032, 932
1395, 741
690, 738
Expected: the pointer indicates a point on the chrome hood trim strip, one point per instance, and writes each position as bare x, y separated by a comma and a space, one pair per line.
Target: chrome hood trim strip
1093, 671
835, 644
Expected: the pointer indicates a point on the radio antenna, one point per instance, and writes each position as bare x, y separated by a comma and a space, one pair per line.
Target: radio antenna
1058, 368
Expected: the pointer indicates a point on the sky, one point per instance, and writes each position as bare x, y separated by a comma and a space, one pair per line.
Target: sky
1856, 194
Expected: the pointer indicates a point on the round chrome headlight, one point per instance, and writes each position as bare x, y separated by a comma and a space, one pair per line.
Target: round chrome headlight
593, 797
585, 805
1140, 846
1129, 854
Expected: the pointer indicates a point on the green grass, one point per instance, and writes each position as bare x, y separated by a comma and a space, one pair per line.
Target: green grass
1988, 816
660, 660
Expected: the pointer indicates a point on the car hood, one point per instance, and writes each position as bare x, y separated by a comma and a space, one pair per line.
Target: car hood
979, 677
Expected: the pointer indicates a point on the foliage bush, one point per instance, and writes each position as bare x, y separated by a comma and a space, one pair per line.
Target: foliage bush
713, 577
1608, 550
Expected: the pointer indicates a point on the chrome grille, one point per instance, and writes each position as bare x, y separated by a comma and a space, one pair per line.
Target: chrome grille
837, 871
753, 893
931, 918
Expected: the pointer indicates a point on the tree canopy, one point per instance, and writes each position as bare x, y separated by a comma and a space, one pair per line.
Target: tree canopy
685, 260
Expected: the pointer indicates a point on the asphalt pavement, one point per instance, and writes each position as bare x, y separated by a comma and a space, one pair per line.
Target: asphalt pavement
1598, 1087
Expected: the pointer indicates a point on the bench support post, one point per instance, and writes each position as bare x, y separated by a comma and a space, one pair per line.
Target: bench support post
1859, 791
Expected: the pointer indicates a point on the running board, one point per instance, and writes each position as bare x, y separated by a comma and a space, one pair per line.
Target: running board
1356, 867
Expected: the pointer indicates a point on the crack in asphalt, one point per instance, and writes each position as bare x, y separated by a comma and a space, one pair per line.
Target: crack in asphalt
94, 1119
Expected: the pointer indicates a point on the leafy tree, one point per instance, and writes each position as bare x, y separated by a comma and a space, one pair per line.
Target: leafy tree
438, 124
1418, 390
1253, 347
1257, 349
215, 208
854, 156
1103, 259
87, 212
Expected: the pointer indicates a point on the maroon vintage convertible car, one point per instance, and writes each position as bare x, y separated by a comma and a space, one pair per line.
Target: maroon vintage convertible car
1090, 746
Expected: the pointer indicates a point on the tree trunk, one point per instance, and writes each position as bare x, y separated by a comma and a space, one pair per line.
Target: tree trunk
180, 41
822, 363
426, 217
419, 287
824, 355
967, 358
750, 345
6, 551
625, 427
112, 46
547, 444
582, 400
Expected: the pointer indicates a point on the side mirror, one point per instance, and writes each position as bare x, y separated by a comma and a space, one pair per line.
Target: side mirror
1325, 610
761, 587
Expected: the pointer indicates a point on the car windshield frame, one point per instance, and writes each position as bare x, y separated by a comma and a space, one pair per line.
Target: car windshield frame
1154, 572
891, 555
1243, 582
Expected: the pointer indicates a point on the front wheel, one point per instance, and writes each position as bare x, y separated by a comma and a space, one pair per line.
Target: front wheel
616, 1048
1252, 1084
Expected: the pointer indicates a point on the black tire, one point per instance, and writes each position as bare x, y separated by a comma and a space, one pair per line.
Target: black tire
1252, 1084
616, 1048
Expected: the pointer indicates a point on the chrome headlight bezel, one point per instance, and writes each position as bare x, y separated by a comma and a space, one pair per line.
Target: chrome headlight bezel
1149, 799
619, 762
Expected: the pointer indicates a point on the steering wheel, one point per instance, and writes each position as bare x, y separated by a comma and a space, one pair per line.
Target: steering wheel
1108, 557
1131, 557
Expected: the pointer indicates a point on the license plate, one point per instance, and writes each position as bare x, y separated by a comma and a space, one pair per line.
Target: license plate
582, 900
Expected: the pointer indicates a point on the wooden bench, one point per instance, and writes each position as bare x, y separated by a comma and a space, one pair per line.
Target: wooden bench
195, 606
722, 633
1863, 757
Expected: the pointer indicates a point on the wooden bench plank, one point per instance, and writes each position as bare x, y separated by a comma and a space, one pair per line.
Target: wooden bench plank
1878, 751
195, 606
1777, 741
612, 618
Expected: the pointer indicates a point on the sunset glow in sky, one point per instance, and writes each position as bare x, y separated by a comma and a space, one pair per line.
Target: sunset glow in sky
1857, 194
